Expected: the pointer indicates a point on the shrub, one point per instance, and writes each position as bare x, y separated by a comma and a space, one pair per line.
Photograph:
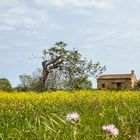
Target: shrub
5, 85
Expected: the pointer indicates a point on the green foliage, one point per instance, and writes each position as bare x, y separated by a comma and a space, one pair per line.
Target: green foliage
79, 83
61, 69
5, 85
26, 81
66, 69
29, 82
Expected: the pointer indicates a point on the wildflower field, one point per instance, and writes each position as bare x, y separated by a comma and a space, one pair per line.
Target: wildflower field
68, 115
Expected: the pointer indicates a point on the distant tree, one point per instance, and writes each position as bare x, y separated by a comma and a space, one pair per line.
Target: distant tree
29, 82
69, 65
32, 82
26, 81
77, 83
5, 85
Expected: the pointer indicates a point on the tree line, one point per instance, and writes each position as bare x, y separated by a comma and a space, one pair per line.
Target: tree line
62, 69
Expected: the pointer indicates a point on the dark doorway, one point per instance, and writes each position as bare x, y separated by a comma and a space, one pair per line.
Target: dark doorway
119, 85
103, 85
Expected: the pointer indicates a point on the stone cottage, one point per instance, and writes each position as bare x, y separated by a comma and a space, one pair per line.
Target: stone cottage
117, 81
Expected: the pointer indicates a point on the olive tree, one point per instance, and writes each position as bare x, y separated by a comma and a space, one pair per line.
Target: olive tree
68, 65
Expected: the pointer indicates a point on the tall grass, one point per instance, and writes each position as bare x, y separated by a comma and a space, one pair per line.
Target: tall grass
32, 116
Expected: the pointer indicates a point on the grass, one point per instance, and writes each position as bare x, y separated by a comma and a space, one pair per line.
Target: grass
32, 116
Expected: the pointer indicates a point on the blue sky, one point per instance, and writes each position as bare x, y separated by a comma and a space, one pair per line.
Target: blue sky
107, 31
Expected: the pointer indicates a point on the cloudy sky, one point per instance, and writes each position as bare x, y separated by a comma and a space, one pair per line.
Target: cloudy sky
107, 31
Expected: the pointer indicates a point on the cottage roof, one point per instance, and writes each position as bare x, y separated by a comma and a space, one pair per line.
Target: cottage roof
116, 76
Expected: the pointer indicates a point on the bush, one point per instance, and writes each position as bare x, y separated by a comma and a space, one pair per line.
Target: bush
5, 85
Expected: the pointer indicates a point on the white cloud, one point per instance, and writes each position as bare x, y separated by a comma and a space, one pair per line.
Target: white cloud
5, 28
80, 3
14, 14
138, 0
8, 3
18, 17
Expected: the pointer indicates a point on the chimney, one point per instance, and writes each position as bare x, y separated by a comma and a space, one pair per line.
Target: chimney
132, 71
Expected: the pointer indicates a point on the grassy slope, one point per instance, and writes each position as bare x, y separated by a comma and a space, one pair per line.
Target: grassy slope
34, 116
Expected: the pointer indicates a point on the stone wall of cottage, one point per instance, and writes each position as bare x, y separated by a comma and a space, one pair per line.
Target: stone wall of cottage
112, 83
134, 81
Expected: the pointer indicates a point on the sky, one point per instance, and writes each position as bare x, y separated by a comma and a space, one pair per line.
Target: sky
106, 31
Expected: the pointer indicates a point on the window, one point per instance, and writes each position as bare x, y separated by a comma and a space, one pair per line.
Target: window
103, 85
